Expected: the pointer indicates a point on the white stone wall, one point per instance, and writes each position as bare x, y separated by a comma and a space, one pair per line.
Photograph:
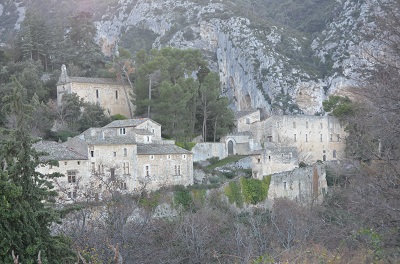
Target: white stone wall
316, 137
105, 96
304, 185
156, 171
153, 127
274, 160
206, 150
244, 123
70, 191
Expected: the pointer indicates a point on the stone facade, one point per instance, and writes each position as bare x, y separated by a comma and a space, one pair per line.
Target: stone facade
127, 156
112, 95
305, 185
315, 137
273, 159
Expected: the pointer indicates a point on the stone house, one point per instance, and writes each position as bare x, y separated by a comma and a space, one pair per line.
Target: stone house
273, 159
127, 156
110, 94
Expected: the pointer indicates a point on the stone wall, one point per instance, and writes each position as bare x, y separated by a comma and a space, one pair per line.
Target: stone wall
206, 150
304, 185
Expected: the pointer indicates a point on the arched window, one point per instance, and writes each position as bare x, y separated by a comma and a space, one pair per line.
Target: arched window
230, 147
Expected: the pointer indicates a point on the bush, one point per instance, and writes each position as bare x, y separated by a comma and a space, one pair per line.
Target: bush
186, 145
233, 192
254, 190
302, 164
183, 197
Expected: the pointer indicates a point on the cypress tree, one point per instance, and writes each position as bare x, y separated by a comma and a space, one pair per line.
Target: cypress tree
26, 196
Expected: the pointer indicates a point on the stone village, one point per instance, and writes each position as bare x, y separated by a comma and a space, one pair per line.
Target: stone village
130, 155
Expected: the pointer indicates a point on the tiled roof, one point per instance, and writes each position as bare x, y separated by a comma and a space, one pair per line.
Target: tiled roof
240, 114
98, 139
57, 151
160, 149
127, 122
92, 80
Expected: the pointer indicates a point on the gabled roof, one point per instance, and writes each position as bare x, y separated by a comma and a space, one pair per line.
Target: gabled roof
57, 151
94, 136
240, 114
129, 122
90, 80
160, 149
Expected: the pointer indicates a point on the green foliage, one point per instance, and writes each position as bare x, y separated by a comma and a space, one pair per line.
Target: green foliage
254, 190
26, 195
150, 200
233, 192
118, 117
186, 145
339, 106
302, 164
62, 135
182, 197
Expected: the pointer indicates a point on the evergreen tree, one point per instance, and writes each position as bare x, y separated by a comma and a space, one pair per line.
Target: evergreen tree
26, 195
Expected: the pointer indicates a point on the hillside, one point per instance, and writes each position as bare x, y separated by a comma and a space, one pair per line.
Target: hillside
279, 56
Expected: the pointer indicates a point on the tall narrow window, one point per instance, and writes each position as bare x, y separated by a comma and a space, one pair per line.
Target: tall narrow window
122, 131
177, 169
147, 170
331, 137
92, 153
247, 120
320, 137
97, 93
284, 185
306, 138
306, 124
71, 176
295, 138
294, 124
116, 94
334, 154
125, 152
112, 172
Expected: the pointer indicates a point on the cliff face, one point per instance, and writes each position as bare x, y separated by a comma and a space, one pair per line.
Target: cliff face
261, 63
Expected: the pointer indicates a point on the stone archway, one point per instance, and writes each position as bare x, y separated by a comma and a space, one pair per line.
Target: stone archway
230, 147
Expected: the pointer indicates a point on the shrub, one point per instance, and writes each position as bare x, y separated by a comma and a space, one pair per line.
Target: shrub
182, 197
233, 192
254, 190
186, 145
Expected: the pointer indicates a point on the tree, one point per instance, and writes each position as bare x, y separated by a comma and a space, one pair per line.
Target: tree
339, 106
92, 116
27, 195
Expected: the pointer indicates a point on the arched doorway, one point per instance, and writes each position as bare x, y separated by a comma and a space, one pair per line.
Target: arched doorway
230, 147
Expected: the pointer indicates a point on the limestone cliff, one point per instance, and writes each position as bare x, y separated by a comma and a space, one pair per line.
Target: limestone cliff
262, 62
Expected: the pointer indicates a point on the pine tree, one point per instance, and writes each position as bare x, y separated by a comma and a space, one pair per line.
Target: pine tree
26, 196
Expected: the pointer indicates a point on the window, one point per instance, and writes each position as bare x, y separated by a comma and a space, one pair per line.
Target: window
71, 176
306, 138
258, 160
338, 137
269, 158
93, 167
247, 120
321, 126
255, 174
123, 185
269, 138
125, 152
184, 156
177, 169
295, 138
294, 124
114, 153
331, 138
71, 195
79, 163
147, 170
320, 137
97, 93
148, 138
334, 154
122, 131
126, 167
169, 157
306, 124
112, 171
151, 157
284, 185
116, 94
152, 130
65, 163
92, 153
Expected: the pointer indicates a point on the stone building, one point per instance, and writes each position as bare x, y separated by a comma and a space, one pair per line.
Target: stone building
110, 94
273, 159
315, 137
305, 185
127, 156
